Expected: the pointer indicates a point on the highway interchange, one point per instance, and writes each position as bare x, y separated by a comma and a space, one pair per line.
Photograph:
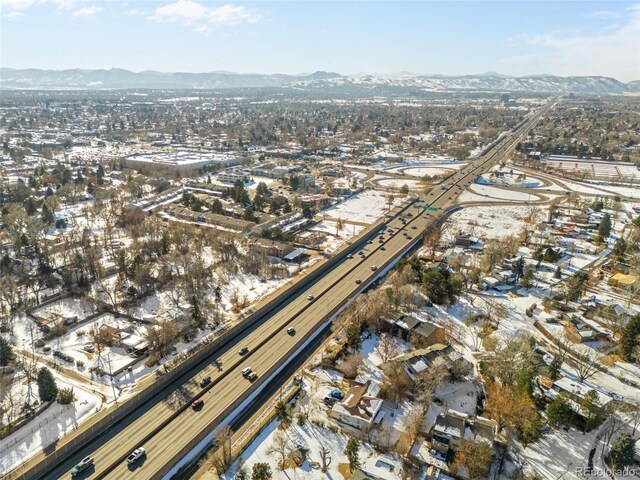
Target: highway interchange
165, 434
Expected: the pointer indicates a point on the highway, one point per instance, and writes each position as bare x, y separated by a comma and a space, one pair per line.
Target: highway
165, 432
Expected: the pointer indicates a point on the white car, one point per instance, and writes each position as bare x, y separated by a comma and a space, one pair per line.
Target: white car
135, 455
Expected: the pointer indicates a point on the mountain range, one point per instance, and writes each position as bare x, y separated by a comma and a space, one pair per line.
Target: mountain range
489, 82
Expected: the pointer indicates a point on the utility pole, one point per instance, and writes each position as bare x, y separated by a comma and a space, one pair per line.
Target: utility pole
113, 388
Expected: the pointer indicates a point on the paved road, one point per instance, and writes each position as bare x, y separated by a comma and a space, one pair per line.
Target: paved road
165, 434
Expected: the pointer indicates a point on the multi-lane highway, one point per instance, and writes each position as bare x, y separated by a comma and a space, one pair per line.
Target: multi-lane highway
165, 434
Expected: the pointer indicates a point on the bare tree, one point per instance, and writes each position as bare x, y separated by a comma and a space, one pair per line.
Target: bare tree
280, 447
386, 348
586, 366
222, 450
427, 382
325, 458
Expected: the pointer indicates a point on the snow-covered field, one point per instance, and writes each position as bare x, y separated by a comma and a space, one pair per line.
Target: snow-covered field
431, 171
399, 183
488, 222
365, 207
484, 193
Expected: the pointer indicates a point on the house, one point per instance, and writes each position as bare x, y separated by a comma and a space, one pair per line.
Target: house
440, 354
452, 427
272, 248
575, 392
621, 280
418, 332
489, 283
358, 410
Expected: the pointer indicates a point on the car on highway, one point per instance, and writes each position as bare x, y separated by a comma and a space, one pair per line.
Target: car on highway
358, 281
196, 404
249, 374
136, 454
337, 394
243, 351
310, 297
374, 268
370, 242
349, 256
291, 331
82, 467
205, 381
382, 247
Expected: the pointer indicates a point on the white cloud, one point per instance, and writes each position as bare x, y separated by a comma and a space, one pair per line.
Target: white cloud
87, 12
14, 14
202, 18
15, 5
612, 52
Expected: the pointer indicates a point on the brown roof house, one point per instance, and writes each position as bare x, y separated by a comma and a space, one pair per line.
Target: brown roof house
358, 409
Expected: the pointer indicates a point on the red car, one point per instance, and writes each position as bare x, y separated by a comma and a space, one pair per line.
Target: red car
197, 403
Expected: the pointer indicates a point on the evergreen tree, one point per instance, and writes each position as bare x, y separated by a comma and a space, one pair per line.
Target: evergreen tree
47, 215
6, 352
248, 215
604, 229
622, 451
196, 313
591, 410
30, 206
620, 249
559, 411
47, 388
528, 278
283, 413
440, 287
554, 368
558, 273
100, 175
352, 451
261, 471
518, 267
354, 336
629, 338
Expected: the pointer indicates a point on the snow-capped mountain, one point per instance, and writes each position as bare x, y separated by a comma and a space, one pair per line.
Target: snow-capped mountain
488, 82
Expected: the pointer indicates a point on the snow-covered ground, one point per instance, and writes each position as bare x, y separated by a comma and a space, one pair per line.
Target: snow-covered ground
488, 222
484, 193
336, 238
510, 178
431, 171
365, 207
398, 183
48, 426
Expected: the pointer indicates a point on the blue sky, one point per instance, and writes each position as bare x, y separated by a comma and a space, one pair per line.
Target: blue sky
454, 37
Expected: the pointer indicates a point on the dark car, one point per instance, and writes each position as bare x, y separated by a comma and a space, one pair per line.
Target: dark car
291, 331
243, 351
82, 467
205, 381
